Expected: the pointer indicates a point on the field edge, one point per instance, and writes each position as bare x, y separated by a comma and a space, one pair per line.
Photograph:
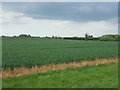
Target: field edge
35, 69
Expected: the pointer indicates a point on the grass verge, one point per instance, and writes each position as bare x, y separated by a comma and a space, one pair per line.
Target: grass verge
96, 76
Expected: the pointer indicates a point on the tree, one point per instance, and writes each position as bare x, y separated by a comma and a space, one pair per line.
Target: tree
24, 35
86, 36
117, 37
107, 38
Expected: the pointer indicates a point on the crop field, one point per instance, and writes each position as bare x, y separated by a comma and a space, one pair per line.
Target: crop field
18, 52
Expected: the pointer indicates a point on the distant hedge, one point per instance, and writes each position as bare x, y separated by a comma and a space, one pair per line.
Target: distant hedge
109, 38
80, 38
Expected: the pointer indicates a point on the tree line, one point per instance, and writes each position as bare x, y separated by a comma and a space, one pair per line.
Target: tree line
110, 37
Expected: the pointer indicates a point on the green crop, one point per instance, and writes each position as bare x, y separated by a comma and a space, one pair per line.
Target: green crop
17, 52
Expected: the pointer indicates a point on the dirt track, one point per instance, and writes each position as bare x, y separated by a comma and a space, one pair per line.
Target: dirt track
24, 70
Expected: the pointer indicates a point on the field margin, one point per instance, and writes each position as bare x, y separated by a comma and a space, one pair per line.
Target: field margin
35, 69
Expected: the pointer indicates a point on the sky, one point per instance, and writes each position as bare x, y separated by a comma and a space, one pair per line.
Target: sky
59, 18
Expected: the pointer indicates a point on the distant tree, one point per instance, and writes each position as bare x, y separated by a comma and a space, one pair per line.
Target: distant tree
107, 38
117, 37
14, 36
59, 37
86, 36
53, 37
24, 35
29, 35
3, 36
91, 36
46, 37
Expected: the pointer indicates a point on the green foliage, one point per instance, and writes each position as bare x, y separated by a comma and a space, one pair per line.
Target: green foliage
86, 36
101, 76
23, 35
117, 37
17, 52
106, 38
110, 38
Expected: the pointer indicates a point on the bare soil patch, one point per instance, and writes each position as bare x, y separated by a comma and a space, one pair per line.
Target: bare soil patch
24, 70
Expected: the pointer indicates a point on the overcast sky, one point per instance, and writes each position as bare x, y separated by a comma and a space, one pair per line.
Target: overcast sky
59, 18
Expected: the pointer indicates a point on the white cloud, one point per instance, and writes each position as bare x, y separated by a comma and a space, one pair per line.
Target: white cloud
11, 17
17, 23
0, 20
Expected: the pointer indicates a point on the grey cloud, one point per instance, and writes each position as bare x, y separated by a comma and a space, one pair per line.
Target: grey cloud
76, 11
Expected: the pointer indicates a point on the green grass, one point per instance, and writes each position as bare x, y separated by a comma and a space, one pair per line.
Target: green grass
28, 52
101, 76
